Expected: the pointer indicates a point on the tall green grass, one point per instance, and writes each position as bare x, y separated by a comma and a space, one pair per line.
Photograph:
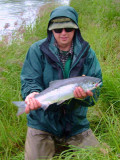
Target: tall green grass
99, 22
12, 55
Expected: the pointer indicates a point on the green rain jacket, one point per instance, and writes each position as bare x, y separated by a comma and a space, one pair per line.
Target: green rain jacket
42, 65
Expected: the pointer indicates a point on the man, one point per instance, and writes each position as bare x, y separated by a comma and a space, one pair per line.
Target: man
63, 54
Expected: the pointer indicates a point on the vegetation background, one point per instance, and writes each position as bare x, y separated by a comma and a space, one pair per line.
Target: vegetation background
99, 22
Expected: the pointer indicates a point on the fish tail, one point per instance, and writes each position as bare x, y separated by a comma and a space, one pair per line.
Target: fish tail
21, 107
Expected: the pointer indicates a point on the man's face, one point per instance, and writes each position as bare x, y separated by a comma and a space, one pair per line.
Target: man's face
64, 37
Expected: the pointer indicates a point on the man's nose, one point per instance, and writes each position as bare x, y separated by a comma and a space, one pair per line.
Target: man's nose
63, 31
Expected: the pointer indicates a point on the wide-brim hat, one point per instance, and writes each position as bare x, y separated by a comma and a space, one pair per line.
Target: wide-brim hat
62, 23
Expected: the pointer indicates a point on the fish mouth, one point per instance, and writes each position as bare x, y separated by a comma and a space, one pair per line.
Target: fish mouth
98, 84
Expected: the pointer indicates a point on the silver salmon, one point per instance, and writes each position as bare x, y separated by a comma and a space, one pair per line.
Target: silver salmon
60, 91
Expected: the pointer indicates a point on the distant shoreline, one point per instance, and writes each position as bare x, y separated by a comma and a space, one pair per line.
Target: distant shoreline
16, 25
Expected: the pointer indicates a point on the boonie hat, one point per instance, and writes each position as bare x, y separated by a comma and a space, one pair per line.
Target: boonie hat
62, 22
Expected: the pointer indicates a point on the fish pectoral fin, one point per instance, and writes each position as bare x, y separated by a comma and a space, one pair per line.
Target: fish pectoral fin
60, 102
64, 101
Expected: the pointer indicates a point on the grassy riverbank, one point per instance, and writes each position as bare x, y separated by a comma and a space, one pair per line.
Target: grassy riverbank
99, 21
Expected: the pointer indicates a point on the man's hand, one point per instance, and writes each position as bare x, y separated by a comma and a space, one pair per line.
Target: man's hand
81, 94
31, 102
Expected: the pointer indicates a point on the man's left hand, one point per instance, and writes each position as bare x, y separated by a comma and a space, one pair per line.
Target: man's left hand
81, 94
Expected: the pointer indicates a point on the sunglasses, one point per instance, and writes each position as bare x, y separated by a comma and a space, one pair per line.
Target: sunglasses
61, 29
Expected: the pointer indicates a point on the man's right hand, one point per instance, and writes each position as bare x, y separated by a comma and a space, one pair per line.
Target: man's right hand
31, 102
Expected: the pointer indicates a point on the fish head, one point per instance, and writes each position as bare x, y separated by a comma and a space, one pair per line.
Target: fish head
90, 83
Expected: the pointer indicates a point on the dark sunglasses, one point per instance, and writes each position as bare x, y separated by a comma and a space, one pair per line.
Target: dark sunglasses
61, 29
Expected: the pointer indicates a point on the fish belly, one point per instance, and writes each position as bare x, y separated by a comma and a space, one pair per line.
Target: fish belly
57, 95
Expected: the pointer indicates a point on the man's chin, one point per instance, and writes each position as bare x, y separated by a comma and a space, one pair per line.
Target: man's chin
64, 42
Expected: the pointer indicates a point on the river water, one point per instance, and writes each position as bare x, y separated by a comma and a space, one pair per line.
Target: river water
14, 13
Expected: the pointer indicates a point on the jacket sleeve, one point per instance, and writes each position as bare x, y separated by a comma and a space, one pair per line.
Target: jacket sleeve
31, 75
91, 68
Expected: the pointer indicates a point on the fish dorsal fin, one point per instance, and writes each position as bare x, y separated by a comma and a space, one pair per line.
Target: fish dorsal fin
52, 83
62, 82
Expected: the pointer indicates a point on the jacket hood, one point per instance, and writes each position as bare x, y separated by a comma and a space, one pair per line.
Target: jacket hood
64, 11
69, 12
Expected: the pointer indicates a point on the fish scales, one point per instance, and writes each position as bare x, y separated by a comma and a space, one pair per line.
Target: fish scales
62, 82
